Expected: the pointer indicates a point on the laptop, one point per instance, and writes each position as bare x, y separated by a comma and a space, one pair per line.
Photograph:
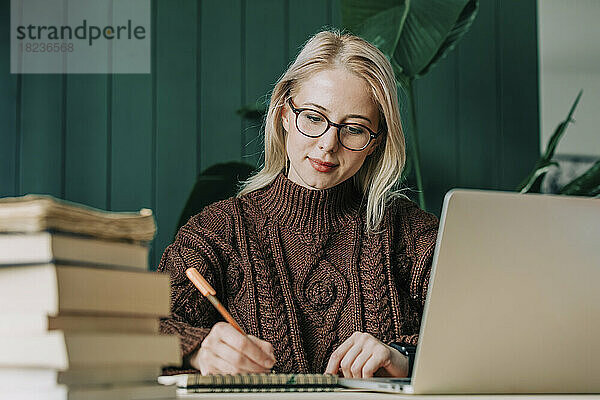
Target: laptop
514, 298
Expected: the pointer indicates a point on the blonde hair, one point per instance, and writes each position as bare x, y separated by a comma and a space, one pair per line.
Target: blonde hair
380, 173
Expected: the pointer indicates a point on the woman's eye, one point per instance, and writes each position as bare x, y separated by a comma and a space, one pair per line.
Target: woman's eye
355, 130
314, 118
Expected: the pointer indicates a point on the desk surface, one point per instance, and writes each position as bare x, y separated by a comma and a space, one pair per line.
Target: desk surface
376, 396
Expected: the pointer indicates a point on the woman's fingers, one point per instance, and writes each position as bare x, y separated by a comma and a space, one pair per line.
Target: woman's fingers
344, 356
356, 369
266, 347
348, 360
211, 363
243, 346
333, 366
371, 365
225, 350
362, 355
239, 358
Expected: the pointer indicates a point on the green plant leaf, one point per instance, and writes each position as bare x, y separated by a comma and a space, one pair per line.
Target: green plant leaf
400, 77
430, 31
254, 111
356, 12
384, 28
412, 144
560, 130
534, 184
462, 26
587, 184
540, 169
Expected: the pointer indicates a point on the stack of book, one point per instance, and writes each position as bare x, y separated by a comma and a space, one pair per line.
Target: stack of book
78, 307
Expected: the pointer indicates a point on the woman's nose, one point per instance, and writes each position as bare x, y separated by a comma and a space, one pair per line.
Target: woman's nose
328, 142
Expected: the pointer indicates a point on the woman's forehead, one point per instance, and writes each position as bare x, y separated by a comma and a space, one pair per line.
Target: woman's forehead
336, 90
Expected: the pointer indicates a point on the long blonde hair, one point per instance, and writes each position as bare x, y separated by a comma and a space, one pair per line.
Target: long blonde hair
379, 176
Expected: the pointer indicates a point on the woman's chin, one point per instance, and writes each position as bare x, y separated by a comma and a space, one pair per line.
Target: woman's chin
312, 179
321, 183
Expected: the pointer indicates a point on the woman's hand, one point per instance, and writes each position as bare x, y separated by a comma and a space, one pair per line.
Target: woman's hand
362, 356
227, 351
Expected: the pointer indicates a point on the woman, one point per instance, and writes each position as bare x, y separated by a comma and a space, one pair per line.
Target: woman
318, 259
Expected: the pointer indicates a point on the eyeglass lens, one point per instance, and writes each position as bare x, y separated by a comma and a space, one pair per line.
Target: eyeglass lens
352, 136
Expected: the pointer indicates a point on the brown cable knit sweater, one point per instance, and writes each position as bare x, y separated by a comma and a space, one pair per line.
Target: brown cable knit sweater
296, 268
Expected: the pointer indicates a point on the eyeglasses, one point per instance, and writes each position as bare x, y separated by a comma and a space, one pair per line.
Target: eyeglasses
312, 123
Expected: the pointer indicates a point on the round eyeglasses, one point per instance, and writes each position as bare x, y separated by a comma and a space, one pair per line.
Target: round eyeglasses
312, 123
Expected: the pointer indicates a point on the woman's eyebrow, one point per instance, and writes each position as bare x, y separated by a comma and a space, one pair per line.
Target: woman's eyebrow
347, 116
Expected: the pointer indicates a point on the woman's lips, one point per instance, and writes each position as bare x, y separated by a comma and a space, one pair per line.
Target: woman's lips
321, 166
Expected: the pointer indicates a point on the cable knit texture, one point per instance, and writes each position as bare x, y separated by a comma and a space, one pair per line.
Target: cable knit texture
297, 268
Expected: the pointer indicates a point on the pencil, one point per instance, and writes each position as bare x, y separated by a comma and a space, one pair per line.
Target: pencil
208, 292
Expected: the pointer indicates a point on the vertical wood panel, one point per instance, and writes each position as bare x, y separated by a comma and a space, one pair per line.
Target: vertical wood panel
266, 52
336, 13
132, 154
42, 120
221, 81
176, 34
518, 72
42, 135
305, 19
478, 102
131, 144
86, 139
436, 106
8, 109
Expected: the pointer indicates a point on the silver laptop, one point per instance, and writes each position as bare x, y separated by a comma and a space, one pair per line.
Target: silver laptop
514, 297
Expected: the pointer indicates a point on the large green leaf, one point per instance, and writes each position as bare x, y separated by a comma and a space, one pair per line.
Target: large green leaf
560, 130
462, 26
413, 140
380, 23
255, 111
588, 184
532, 183
430, 31
356, 12
383, 29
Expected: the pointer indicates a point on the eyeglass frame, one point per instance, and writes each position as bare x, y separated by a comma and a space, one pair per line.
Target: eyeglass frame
298, 110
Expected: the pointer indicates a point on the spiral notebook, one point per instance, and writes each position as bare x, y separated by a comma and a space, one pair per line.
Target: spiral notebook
196, 383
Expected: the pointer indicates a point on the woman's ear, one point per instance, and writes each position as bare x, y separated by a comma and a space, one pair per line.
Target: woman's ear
374, 146
285, 118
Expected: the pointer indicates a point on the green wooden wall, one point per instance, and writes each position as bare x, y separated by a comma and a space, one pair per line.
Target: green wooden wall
122, 142
478, 111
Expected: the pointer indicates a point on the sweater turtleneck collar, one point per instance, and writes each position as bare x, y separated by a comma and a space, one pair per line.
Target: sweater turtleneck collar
308, 209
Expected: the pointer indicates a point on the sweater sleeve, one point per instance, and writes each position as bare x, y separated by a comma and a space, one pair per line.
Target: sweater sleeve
203, 244
416, 234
